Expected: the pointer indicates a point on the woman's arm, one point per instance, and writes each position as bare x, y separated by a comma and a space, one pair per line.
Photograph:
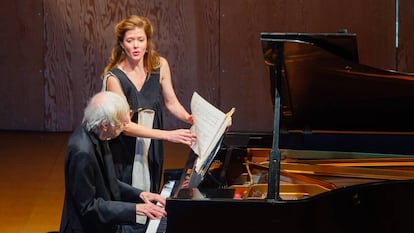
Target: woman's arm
183, 136
170, 99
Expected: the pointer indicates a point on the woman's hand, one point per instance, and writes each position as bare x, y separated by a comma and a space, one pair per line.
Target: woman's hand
183, 136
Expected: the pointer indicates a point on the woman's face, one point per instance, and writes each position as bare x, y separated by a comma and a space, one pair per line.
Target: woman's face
135, 43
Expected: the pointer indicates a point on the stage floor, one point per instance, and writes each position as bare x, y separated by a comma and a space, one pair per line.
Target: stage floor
32, 180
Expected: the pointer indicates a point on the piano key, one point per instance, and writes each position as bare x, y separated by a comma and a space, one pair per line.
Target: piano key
160, 225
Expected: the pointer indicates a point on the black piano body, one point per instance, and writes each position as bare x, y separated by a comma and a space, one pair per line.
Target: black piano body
341, 126
377, 207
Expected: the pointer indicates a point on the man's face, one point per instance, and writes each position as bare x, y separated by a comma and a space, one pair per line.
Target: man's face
111, 132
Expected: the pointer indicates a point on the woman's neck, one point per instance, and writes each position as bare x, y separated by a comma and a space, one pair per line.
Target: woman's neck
132, 65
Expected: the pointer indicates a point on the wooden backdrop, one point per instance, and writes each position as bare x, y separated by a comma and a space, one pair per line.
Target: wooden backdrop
53, 52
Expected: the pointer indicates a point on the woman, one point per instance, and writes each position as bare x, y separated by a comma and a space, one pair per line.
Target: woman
138, 72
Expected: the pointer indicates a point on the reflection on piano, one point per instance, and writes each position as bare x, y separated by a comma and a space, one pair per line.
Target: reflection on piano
339, 159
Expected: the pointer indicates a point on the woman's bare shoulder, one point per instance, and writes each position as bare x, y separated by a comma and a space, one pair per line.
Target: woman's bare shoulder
163, 61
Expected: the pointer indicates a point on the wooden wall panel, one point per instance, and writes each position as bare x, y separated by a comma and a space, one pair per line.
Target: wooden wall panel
79, 39
187, 34
243, 77
54, 52
21, 65
405, 57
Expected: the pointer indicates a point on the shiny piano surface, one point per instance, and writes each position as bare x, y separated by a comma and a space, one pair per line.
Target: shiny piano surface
340, 157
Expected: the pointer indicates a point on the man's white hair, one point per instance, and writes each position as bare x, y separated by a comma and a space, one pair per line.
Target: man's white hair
105, 106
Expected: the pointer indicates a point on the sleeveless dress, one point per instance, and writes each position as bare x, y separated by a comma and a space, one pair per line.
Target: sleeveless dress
124, 147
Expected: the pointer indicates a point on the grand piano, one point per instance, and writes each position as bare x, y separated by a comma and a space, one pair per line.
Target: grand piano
339, 159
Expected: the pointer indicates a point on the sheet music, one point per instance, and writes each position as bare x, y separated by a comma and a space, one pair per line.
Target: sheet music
209, 125
154, 223
207, 121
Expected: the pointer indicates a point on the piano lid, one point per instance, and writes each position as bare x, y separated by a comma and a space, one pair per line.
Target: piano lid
323, 87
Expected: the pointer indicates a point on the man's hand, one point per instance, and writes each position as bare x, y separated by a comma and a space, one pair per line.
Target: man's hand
150, 210
149, 197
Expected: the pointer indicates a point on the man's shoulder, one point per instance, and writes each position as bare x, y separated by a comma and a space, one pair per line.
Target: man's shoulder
80, 138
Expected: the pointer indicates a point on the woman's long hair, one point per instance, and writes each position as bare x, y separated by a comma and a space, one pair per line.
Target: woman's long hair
151, 57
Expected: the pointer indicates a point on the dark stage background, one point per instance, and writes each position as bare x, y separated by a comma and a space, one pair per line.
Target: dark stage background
53, 52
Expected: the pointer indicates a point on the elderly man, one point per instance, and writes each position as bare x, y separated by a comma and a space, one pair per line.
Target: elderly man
95, 200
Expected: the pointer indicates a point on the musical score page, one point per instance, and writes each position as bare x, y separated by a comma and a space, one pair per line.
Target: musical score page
209, 125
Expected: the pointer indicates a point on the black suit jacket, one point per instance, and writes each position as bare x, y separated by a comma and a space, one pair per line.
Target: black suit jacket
95, 200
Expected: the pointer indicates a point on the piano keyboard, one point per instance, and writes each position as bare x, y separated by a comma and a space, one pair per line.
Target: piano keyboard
160, 225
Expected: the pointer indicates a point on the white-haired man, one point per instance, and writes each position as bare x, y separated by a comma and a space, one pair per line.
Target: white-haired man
95, 200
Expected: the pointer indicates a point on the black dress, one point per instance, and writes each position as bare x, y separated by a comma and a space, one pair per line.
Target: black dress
123, 148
